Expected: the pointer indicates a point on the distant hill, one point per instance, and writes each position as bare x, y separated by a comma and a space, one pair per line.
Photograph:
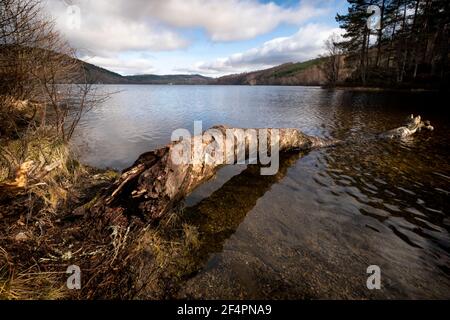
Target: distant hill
301, 73
97, 74
169, 79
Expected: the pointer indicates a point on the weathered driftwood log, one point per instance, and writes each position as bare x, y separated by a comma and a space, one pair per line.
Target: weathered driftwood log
155, 182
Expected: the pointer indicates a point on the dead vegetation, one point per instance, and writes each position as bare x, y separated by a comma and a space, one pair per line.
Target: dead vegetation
165, 255
41, 182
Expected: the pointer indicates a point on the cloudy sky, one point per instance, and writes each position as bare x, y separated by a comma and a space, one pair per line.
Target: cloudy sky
209, 37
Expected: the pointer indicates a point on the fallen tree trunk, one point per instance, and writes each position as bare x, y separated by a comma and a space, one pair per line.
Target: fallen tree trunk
155, 183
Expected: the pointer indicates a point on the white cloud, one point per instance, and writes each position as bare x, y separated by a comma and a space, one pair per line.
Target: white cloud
104, 29
306, 43
127, 37
129, 66
110, 29
227, 20
153, 24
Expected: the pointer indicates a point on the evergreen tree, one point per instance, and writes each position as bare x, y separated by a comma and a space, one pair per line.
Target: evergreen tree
410, 46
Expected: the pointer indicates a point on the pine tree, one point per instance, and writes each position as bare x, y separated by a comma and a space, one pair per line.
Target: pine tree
411, 44
356, 38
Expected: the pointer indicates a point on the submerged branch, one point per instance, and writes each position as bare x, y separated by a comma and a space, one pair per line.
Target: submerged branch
412, 125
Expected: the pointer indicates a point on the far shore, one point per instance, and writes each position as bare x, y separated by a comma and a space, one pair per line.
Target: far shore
338, 87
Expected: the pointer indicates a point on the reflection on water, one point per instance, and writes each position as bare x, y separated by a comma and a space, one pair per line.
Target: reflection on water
311, 230
219, 215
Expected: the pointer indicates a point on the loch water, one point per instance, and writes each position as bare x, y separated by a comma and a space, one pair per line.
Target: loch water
311, 230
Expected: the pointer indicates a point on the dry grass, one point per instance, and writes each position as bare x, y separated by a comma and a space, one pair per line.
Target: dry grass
29, 284
40, 241
40, 234
41, 165
166, 256
40, 185
191, 236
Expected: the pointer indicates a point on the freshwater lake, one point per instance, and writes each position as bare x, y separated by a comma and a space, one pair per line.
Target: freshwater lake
311, 230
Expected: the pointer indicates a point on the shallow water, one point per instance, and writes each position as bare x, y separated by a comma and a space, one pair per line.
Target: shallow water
311, 230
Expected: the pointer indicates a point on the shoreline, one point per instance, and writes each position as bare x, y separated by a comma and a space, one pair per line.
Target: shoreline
322, 86
382, 89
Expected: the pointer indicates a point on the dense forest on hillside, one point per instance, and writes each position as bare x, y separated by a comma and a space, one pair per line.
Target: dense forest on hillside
400, 43
300, 73
386, 43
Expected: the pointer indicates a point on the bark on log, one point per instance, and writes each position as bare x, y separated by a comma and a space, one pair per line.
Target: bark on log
155, 183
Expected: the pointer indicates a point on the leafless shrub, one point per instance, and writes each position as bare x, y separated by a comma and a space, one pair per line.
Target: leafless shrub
37, 65
333, 56
43, 95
